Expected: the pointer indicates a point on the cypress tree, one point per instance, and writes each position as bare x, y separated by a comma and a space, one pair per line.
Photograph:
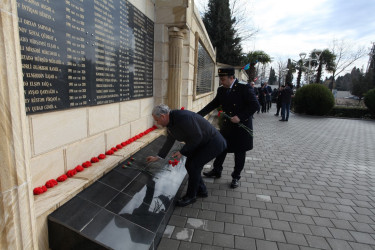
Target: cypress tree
220, 28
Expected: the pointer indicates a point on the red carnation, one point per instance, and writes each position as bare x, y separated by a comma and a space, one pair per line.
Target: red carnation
154, 127
119, 146
71, 173
62, 178
170, 162
79, 168
86, 164
109, 152
182, 108
51, 183
123, 144
101, 156
132, 158
114, 149
94, 159
39, 190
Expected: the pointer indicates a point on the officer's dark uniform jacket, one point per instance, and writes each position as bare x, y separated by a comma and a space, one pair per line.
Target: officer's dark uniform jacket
240, 101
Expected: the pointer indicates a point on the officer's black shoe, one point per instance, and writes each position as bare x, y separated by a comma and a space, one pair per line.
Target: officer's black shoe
235, 183
202, 194
184, 201
213, 174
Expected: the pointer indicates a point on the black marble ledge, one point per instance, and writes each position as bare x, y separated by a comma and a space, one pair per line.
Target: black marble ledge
128, 208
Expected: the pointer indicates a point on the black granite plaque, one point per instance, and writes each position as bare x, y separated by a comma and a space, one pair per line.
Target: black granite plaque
128, 208
78, 53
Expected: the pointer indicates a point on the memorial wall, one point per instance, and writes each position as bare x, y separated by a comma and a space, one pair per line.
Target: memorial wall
70, 57
82, 53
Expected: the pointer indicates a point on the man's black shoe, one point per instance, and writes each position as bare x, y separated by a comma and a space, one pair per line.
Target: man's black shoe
212, 174
282, 120
202, 194
184, 201
235, 183
276, 114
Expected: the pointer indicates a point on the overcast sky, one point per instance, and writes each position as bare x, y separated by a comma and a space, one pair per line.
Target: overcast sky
289, 27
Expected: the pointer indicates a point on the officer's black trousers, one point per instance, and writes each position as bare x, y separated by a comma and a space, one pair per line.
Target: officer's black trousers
239, 162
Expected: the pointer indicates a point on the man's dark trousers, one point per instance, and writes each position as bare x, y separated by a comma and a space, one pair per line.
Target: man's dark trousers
239, 162
194, 165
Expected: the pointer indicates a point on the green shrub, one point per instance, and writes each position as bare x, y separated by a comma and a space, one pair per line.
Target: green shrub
370, 100
350, 112
313, 99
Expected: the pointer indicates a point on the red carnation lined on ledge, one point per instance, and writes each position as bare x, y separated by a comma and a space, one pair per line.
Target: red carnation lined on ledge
79, 168
51, 183
62, 178
86, 164
39, 190
71, 173
109, 152
94, 159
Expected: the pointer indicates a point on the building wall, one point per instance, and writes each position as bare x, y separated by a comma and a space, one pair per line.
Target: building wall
46, 145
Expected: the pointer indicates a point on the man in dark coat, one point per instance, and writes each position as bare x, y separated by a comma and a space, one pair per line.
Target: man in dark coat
239, 102
286, 99
202, 143
278, 100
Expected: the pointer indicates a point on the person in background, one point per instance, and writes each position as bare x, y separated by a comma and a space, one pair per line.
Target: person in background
262, 98
239, 103
268, 91
278, 100
202, 143
286, 99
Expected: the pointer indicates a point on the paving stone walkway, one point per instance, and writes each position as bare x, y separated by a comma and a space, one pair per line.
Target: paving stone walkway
309, 183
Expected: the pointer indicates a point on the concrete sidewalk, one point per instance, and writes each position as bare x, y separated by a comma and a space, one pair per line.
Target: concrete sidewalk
309, 183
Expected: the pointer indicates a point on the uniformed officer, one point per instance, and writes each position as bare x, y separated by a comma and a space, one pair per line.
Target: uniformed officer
239, 102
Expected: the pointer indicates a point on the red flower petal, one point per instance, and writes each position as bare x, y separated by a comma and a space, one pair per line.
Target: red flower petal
37, 191
51, 183
86, 164
182, 108
79, 168
94, 159
71, 173
62, 178
109, 152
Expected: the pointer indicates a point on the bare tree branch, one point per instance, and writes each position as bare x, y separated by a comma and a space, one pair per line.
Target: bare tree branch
346, 55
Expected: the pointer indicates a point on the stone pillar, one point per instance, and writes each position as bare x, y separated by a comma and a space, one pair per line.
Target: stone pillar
176, 43
17, 218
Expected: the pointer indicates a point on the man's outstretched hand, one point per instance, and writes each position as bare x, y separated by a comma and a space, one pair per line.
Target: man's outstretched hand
152, 159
